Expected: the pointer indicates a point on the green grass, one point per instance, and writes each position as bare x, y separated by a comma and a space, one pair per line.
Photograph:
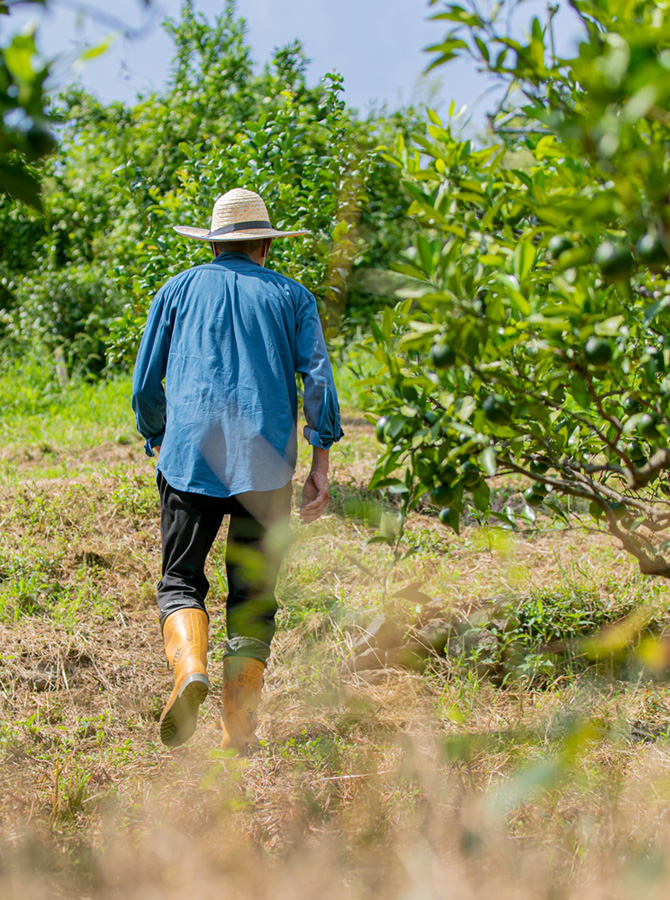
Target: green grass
36, 413
134, 493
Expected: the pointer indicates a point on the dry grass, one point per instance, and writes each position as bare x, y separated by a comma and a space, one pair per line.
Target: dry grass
405, 785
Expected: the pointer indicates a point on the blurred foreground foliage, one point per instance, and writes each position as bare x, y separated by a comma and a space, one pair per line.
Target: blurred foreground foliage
124, 175
25, 127
531, 336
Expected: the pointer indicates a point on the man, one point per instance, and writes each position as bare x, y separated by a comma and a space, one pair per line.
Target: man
228, 338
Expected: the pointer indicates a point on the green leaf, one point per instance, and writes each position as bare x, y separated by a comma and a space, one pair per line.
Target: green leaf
464, 407
99, 49
481, 496
398, 489
512, 291
609, 327
20, 184
501, 517
555, 508
580, 391
379, 481
414, 340
487, 460
454, 520
458, 14
387, 324
447, 50
536, 29
483, 49
659, 306
524, 259
377, 333
19, 57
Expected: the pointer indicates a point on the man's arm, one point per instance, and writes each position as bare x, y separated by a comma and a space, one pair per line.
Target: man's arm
148, 398
322, 410
315, 494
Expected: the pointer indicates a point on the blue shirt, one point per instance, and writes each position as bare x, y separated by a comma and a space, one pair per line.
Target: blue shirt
228, 338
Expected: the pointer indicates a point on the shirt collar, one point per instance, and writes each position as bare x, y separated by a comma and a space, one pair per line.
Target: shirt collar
234, 254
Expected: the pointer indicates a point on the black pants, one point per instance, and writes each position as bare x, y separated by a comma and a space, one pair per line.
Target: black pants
189, 524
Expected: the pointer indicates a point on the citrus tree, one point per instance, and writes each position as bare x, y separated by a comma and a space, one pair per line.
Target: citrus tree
316, 164
532, 332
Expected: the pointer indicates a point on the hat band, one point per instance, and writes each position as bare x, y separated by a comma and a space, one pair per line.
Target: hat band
240, 226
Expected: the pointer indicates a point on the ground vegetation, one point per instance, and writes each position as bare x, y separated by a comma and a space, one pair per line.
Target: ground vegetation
533, 765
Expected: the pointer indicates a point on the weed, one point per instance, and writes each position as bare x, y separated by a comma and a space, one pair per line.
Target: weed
312, 751
95, 727
135, 494
28, 584
70, 792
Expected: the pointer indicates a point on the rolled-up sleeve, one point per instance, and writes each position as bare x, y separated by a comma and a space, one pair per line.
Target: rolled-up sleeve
148, 394
322, 410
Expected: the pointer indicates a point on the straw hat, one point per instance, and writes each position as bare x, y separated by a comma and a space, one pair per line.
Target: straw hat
239, 215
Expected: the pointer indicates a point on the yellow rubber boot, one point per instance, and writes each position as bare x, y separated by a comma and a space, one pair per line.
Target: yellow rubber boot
186, 639
242, 686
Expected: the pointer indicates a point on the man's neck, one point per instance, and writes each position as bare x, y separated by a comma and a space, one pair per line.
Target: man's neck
253, 259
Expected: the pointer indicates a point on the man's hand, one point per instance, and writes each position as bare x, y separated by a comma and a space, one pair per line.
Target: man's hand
157, 452
315, 494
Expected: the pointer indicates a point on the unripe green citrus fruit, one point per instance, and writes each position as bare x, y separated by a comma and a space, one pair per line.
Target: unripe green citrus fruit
442, 355
618, 510
443, 515
647, 425
557, 245
40, 141
497, 409
532, 498
650, 249
614, 259
443, 494
635, 452
631, 405
596, 510
471, 475
598, 351
448, 474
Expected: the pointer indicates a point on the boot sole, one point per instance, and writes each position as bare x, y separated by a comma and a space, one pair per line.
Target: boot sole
179, 719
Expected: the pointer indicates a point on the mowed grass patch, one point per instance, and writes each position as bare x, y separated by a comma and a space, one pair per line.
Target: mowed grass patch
68, 546
43, 425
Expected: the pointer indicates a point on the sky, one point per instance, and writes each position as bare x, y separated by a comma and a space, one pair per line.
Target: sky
377, 45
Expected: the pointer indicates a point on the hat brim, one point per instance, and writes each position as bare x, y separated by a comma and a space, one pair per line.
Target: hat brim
204, 234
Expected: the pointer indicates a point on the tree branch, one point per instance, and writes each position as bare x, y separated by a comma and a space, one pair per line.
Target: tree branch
95, 15
641, 477
656, 565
